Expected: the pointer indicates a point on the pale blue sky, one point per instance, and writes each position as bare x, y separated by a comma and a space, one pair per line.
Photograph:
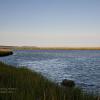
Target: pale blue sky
50, 22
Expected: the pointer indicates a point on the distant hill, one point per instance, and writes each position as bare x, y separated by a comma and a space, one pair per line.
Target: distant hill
6, 47
48, 48
56, 48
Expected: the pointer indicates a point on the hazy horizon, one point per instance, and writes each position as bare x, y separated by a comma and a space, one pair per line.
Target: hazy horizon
54, 23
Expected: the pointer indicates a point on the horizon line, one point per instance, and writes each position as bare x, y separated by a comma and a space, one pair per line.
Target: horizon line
49, 46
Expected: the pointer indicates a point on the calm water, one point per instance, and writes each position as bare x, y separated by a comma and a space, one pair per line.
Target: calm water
82, 66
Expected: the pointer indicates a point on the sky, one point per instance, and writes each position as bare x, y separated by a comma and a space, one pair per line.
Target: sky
50, 23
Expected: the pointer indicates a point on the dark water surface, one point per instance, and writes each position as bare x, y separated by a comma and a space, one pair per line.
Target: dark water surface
82, 66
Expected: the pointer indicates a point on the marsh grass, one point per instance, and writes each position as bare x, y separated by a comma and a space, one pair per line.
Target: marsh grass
29, 85
5, 53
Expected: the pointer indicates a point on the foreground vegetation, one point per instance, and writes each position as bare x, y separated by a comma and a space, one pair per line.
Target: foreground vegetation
24, 84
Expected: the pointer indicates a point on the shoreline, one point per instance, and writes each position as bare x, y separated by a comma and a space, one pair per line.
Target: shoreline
20, 80
57, 48
29, 82
47, 48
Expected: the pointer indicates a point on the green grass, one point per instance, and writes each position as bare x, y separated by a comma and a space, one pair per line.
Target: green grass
30, 85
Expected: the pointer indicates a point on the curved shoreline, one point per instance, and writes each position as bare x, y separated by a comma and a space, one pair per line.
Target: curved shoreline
32, 85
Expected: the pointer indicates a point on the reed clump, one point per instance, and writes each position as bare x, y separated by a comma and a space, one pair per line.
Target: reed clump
5, 52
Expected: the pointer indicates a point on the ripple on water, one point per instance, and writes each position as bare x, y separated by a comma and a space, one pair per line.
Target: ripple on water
82, 66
